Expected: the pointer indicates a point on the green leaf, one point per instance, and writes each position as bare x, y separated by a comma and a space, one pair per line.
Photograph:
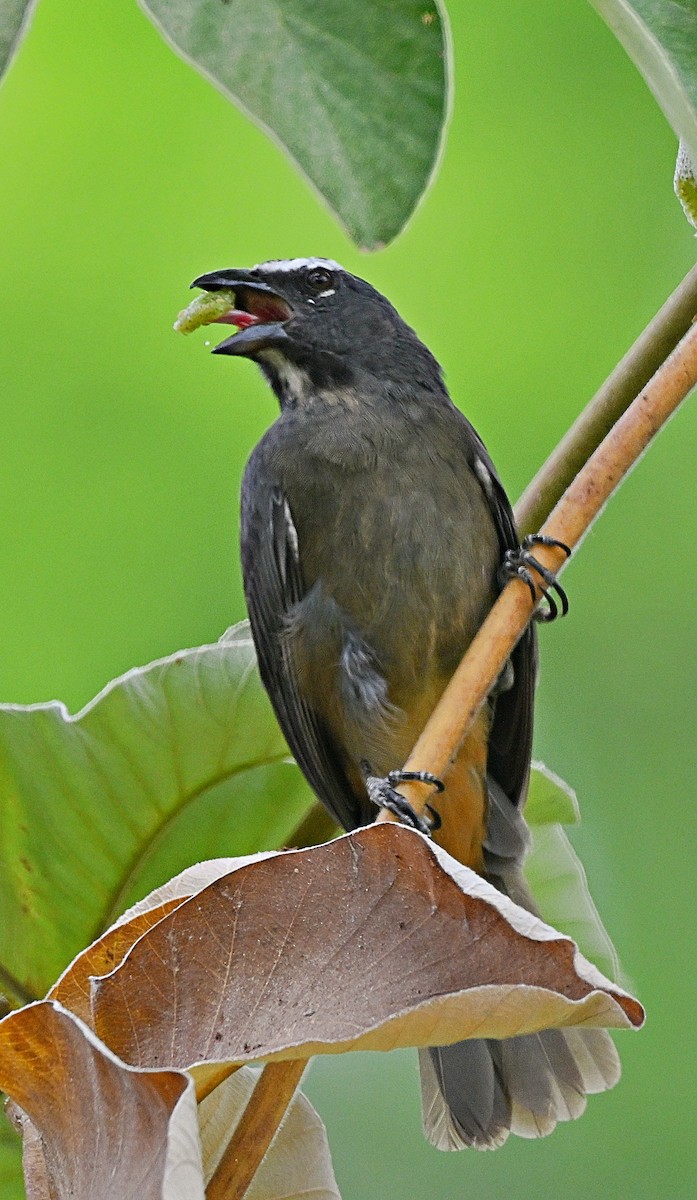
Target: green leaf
11, 1186
550, 799
172, 763
355, 90
555, 872
660, 37
15, 16
558, 883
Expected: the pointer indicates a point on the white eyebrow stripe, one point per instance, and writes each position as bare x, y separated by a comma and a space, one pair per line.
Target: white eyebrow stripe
297, 264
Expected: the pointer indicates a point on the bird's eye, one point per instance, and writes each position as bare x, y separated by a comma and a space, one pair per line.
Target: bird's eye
319, 279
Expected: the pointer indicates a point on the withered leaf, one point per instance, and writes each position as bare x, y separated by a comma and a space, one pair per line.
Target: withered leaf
72, 990
101, 1128
373, 941
106, 1129
296, 1166
37, 1182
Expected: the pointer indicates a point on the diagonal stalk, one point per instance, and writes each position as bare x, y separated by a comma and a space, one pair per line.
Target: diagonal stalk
256, 1130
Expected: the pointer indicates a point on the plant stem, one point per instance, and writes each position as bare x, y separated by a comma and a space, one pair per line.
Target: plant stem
256, 1129
211, 1078
577, 509
651, 348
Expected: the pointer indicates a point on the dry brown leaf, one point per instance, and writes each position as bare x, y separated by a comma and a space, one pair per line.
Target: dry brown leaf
101, 1128
298, 1163
72, 990
105, 1129
192, 879
37, 1181
373, 941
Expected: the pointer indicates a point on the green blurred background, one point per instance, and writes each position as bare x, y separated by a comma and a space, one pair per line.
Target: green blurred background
549, 239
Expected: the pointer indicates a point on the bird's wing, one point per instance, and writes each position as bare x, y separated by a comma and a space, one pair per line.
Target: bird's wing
273, 584
510, 742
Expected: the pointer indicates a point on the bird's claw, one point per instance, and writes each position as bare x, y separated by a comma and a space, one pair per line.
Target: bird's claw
383, 794
517, 564
395, 777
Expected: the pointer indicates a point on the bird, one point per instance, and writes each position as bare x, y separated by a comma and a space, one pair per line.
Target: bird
374, 532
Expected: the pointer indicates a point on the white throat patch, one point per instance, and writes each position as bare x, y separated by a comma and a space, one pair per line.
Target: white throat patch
293, 381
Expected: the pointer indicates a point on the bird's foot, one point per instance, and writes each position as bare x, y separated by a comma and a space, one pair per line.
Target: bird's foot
382, 793
517, 564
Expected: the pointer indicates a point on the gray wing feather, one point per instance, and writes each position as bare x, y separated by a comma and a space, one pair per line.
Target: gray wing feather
510, 741
273, 584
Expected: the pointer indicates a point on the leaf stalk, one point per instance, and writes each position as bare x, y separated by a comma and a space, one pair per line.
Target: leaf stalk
256, 1129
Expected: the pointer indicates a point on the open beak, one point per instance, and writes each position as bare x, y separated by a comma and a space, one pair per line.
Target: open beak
259, 312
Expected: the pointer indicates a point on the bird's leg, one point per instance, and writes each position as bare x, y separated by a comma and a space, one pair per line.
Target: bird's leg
517, 563
383, 794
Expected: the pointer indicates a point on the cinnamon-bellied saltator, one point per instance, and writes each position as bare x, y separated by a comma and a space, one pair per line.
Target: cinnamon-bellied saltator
374, 527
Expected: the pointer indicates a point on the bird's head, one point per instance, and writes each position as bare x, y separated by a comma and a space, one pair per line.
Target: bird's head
312, 326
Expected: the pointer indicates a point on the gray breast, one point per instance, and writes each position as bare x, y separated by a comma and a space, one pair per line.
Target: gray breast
397, 529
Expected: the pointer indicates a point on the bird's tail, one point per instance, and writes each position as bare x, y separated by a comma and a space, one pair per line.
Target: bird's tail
476, 1092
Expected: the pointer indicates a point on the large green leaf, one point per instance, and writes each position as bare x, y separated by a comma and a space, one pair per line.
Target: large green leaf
15, 16
175, 762
355, 90
550, 800
558, 882
555, 872
661, 38
11, 1187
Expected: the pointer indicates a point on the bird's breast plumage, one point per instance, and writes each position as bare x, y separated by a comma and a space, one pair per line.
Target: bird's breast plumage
400, 502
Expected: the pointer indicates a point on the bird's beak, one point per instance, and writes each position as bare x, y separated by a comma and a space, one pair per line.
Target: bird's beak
259, 312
